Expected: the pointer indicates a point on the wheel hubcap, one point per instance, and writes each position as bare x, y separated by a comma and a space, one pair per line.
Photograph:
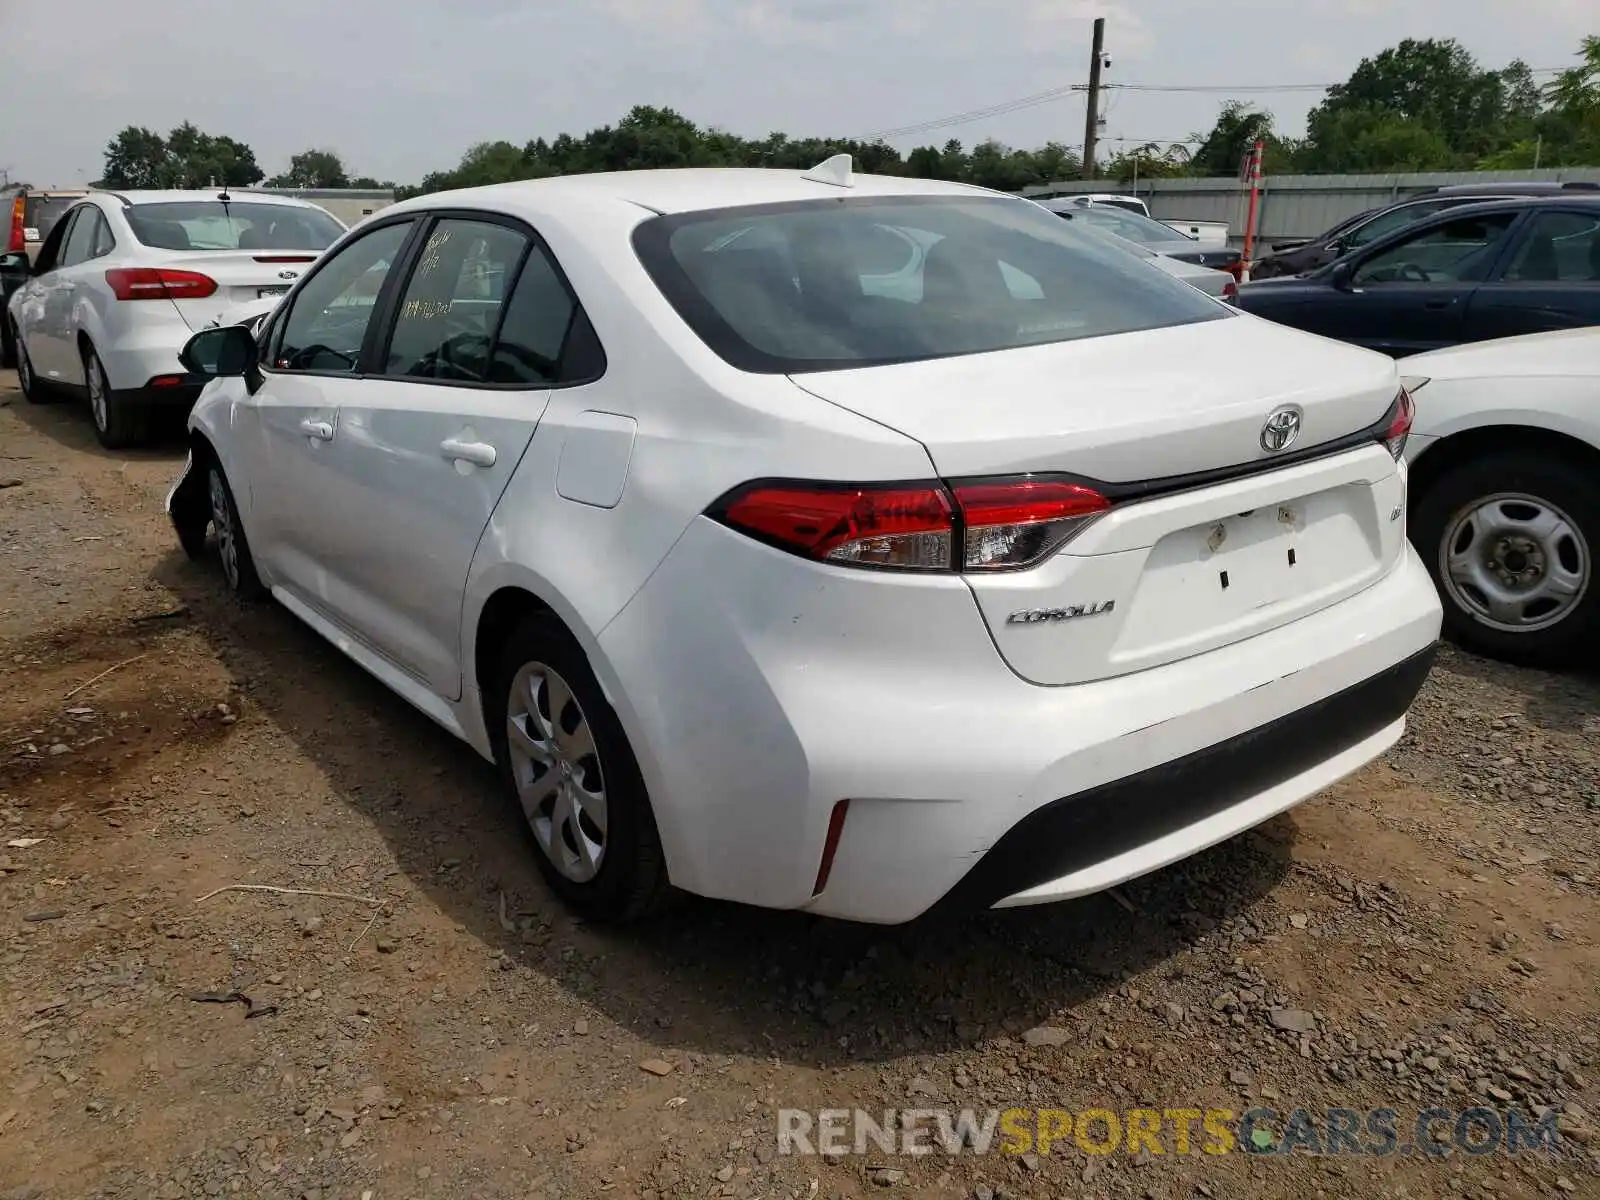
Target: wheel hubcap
96, 384
1516, 563
556, 768
222, 520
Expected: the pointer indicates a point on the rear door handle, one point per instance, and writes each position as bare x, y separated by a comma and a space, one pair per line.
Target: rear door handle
479, 454
1436, 305
320, 430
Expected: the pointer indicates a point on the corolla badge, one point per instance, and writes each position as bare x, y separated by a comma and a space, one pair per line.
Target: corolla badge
1281, 429
1041, 616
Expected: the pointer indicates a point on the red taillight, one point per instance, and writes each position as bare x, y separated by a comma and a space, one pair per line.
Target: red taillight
905, 527
1236, 269
1404, 412
17, 240
285, 258
159, 283
989, 526
1230, 292
1017, 522
830, 845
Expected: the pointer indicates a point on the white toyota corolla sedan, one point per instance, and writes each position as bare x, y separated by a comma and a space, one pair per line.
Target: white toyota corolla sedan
766, 571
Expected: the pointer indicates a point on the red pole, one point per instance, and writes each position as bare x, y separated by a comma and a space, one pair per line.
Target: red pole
1255, 192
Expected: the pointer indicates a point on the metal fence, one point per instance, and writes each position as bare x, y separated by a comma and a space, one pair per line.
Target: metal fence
1291, 205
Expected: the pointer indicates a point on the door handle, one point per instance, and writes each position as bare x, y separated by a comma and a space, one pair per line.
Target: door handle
1437, 305
479, 454
320, 430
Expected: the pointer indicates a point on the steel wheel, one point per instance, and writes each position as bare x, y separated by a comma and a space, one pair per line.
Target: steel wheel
555, 767
1516, 562
227, 534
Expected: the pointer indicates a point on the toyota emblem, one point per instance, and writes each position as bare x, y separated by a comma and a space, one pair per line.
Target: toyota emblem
1281, 429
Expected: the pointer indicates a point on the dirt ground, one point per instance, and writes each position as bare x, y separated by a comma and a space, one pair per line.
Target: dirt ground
1423, 935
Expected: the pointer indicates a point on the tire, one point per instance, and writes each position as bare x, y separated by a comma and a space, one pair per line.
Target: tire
119, 422
542, 665
8, 345
34, 390
233, 548
1532, 520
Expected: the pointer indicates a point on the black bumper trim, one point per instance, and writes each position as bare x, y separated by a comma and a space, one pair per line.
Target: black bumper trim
1087, 827
172, 395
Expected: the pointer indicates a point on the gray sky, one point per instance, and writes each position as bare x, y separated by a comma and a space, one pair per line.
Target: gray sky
400, 89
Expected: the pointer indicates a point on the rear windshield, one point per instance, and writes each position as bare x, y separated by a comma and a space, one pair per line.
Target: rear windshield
829, 284
1133, 226
236, 225
40, 214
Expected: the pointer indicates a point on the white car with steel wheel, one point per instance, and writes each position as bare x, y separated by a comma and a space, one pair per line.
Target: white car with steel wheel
766, 572
1505, 495
123, 280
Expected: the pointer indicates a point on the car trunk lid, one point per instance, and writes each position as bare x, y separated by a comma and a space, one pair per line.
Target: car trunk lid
1209, 540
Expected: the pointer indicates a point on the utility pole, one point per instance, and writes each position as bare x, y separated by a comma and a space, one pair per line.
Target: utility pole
1091, 125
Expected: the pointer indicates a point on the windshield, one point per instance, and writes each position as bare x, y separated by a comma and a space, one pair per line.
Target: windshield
1134, 206
1126, 224
823, 285
236, 225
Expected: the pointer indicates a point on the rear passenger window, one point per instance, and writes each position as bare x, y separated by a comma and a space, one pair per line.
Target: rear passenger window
452, 303
534, 332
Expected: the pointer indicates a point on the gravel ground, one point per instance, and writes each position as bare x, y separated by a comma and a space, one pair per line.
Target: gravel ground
1424, 935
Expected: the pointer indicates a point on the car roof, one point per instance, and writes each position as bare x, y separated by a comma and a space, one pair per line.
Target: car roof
1534, 187
176, 195
1590, 203
683, 189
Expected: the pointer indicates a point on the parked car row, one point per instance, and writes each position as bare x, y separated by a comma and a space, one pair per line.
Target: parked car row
102, 306
689, 499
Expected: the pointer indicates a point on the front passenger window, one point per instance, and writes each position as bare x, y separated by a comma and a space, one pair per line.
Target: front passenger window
327, 325
1459, 251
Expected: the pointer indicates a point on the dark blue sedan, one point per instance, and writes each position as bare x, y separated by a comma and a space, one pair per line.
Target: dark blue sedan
1491, 270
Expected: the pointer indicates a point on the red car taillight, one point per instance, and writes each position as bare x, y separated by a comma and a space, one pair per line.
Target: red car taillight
159, 283
1230, 292
17, 241
1401, 416
989, 526
1236, 269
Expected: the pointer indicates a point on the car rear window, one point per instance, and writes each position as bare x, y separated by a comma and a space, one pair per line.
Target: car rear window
236, 225
822, 285
40, 213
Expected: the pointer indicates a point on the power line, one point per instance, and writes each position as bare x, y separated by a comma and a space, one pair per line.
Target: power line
976, 114
1006, 107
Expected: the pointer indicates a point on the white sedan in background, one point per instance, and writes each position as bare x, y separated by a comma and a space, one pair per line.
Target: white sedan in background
1505, 491
123, 280
823, 541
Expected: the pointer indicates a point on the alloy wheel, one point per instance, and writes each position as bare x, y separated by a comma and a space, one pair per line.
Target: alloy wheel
555, 766
95, 380
222, 521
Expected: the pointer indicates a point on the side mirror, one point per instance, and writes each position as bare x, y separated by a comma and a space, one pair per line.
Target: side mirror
15, 263
220, 353
1341, 274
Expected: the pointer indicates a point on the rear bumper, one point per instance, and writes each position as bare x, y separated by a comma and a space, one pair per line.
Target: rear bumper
759, 690
180, 394
1095, 839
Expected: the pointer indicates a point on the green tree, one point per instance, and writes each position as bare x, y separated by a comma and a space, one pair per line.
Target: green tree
186, 157
135, 158
313, 169
1433, 85
1222, 150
